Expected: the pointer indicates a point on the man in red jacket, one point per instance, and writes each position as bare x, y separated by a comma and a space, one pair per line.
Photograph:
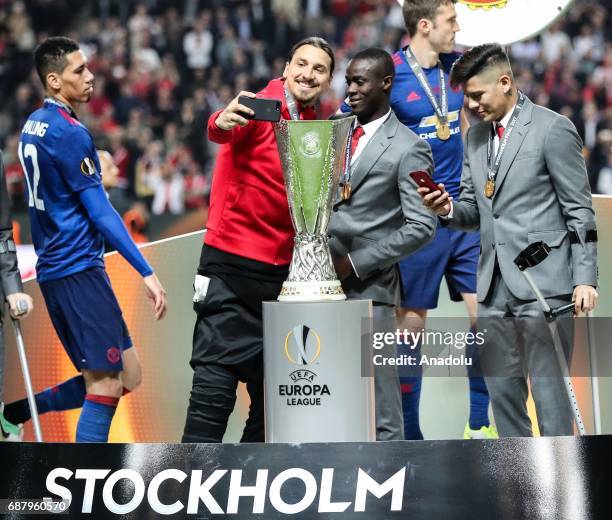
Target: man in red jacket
247, 247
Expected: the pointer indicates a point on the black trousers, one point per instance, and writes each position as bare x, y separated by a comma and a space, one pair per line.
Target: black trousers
227, 349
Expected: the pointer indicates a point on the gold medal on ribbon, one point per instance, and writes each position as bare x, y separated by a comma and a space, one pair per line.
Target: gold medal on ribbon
489, 188
346, 191
443, 131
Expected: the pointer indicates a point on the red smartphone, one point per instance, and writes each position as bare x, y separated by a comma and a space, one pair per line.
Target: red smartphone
423, 180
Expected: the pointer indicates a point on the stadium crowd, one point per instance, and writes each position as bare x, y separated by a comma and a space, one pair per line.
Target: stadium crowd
163, 66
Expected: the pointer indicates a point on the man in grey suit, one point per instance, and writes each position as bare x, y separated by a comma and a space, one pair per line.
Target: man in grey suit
11, 289
524, 180
377, 215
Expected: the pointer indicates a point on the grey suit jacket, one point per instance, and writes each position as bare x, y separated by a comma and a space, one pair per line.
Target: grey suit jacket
384, 219
10, 280
542, 192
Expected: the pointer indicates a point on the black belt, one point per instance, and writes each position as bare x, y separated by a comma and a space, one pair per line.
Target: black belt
590, 236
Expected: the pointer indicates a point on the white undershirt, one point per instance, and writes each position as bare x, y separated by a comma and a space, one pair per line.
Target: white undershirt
369, 130
504, 122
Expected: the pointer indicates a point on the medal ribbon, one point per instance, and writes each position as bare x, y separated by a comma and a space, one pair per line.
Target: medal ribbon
441, 108
291, 105
346, 175
493, 168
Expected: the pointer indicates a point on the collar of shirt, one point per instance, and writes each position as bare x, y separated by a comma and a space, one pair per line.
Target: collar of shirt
369, 129
505, 120
57, 102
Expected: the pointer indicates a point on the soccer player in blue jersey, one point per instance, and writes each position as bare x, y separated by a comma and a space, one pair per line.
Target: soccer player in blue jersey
423, 100
71, 217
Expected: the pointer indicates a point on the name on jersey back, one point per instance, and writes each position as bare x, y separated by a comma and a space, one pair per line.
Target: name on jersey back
32, 127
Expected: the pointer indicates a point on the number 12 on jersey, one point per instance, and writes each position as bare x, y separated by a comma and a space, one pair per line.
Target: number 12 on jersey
29, 151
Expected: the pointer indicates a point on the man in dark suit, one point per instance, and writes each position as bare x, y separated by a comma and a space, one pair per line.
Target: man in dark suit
377, 215
524, 180
11, 290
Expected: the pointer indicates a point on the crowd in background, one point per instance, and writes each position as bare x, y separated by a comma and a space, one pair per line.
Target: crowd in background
163, 66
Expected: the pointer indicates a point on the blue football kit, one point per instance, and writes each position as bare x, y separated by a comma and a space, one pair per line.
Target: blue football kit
451, 254
70, 218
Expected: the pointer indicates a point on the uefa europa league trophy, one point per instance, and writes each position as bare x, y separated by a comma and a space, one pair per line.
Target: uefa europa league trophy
312, 155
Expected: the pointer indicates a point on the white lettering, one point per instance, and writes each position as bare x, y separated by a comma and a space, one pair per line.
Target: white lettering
139, 491
152, 492
199, 490
237, 490
90, 476
35, 128
53, 487
366, 484
309, 494
325, 503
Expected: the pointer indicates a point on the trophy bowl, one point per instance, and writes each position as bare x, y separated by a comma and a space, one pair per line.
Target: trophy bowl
312, 156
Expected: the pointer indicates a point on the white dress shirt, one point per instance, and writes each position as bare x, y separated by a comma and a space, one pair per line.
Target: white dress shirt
504, 122
369, 130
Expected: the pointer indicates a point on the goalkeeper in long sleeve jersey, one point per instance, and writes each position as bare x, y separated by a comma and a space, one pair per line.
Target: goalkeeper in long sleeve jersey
71, 218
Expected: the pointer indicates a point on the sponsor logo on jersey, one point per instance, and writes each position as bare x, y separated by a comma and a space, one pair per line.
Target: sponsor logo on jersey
432, 120
88, 167
413, 96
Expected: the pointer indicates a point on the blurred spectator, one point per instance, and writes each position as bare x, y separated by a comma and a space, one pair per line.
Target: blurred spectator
198, 43
604, 181
163, 67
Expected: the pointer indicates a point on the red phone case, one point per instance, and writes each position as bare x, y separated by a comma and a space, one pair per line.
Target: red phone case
423, 180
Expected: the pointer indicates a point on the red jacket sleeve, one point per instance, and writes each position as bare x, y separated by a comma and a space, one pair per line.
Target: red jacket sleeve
216, 135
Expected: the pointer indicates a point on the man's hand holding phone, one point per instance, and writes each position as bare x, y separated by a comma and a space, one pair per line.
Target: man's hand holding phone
434, 196
233, 114
439, 201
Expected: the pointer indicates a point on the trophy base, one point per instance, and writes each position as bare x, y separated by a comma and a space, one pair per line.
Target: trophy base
311, 291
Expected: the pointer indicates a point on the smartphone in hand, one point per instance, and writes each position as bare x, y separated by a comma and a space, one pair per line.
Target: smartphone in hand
423, 180
265, 109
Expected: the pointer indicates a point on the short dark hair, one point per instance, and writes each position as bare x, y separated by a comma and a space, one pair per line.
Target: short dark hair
476, 60
50, 56
384, 63
319, 43
415, 10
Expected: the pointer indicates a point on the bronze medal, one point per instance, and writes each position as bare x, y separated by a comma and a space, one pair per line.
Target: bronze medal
443, 131
489, 188
346, 191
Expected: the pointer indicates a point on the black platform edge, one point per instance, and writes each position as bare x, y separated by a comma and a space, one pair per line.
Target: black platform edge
516, 478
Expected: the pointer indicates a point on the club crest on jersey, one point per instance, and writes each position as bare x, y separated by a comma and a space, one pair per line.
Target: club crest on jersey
113, 354
88, 167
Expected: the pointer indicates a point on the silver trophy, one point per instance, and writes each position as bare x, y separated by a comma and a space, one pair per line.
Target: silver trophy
312, 156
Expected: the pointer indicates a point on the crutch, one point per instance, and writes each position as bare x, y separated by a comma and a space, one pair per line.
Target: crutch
594, 378
531, 256
22, 307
